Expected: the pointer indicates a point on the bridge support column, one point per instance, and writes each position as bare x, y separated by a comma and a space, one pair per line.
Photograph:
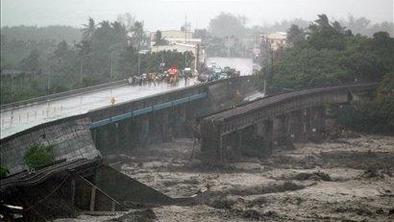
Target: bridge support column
265, 130
117, 137
211, 148
164, 127
143, 136
296, 127
180, 122
316, 123
279, 130
124, 135
307, 123
104, 139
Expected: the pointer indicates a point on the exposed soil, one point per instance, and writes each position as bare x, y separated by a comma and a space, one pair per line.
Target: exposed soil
340, 180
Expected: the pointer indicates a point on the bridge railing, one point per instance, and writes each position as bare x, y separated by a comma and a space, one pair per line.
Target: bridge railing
55, 96
154, 100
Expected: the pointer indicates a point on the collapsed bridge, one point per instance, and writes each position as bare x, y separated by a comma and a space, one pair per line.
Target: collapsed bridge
81, 141
294, 116
79, 179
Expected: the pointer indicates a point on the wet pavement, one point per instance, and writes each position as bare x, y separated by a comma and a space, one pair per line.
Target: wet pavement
19, 119
22, 118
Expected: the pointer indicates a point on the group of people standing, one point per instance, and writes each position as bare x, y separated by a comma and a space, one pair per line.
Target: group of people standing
171, 76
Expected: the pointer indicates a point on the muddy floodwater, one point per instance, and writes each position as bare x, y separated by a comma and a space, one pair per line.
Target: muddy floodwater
338, 180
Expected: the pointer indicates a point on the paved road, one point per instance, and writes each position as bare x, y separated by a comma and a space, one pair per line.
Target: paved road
22, 118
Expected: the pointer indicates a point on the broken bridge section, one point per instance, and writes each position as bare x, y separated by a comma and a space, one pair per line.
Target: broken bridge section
126, 126
254, 128
78, 180
70, 137
67, 188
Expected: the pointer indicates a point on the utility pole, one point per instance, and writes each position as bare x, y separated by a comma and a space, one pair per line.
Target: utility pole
81, 68
81, 73
197, 58
110, 64
48, 80
184, 27
139, 64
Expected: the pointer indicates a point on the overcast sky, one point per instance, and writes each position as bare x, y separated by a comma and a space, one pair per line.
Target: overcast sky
170, 14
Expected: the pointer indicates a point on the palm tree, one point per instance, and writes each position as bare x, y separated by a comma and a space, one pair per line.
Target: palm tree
89, 29
138, 34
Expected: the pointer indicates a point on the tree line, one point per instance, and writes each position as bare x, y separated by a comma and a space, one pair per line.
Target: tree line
230, 35
107, 51
327, 54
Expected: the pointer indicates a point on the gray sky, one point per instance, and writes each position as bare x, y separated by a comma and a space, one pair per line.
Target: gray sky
170, 14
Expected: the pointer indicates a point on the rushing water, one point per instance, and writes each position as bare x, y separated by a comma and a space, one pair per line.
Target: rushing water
244, 65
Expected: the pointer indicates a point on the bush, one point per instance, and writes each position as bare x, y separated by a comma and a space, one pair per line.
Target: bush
39, 156
369, 116
3, 171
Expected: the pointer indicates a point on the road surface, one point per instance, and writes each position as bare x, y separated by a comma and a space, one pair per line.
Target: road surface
22, 118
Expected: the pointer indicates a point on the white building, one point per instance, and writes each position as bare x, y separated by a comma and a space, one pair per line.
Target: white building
276, 40
181, 41
175, 36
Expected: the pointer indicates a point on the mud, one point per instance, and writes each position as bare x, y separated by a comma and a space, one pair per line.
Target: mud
340, 180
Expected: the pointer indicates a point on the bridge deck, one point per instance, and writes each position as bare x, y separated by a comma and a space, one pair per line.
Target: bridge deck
17, 119
215, 126
267, 101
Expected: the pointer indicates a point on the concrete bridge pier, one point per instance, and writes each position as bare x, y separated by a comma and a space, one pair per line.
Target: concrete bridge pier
155, 129
265, 131
116, 136
180, 121
104, 138
211, 149
124, 135
296, 127
316, 117
280, 130
164, 129
143, 135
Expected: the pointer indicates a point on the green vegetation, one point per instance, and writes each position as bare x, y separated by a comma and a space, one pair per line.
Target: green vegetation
327, 54
39, 156
375, 116
3, 171
47, 64
229, 35
37, 61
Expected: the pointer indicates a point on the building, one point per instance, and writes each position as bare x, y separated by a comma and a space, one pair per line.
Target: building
276, 40
181, 41
175, 36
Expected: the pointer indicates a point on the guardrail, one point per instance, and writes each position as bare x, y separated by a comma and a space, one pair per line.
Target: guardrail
148, 109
